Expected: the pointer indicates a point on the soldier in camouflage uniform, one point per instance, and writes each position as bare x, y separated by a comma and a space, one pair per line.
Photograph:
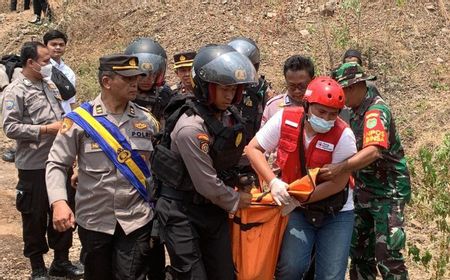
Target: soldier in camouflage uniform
382, 181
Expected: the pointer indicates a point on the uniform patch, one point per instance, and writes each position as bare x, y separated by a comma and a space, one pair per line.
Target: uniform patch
95, 146
325, 146
140, 125
203, 137
66, 125
248, 101
238, 140
371, 123
9, 104
204, 146
98, 109
141, 134
291, 123
374, 130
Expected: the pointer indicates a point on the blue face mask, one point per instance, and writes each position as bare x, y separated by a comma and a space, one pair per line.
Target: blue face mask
320, 125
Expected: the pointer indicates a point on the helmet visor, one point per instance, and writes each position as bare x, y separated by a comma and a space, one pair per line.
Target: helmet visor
229, 69
151, 63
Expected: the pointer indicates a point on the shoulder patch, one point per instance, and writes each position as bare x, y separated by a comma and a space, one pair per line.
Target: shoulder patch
203, 137
66, 125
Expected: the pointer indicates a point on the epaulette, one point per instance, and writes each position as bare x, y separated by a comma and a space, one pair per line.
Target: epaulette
141, 107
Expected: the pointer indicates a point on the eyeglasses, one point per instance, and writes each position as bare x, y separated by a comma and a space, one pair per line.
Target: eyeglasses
301, 86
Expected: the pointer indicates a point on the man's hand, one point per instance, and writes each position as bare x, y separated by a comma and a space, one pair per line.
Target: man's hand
63, 217
74, 178
329, 171
245, 199
53, 128
278, 189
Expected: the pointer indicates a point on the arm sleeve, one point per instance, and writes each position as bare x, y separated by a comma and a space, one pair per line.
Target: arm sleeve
269, 136
346, 147
200, 167
61, 157
376, 127
12, 111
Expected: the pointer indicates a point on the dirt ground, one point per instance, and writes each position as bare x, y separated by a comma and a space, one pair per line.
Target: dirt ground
405, 43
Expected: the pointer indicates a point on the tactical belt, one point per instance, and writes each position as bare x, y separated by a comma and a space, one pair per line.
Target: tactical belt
185, 196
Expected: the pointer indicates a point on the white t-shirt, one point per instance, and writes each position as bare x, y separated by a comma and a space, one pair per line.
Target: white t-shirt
269, 136
68, 72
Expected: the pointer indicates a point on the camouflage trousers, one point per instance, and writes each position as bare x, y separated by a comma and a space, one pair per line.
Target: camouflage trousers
378, 237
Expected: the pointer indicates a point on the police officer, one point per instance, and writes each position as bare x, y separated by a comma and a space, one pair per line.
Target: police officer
382, 180
255, 95
153, 92
183, 66
298, 72
32, 116
112, 212
208, 139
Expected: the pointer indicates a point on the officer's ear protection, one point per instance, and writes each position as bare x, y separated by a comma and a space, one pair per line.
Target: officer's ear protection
212, 93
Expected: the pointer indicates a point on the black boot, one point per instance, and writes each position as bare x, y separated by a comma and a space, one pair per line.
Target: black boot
37, 20
65, 269
39, 274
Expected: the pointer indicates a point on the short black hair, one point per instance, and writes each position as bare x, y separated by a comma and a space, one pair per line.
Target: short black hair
29, 50
102, 73
54, 34
298, 63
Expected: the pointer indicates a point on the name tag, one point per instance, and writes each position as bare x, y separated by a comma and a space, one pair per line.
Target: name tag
291, 123
325, 146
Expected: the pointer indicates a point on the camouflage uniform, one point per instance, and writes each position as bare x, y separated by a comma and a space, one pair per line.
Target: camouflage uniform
382, 189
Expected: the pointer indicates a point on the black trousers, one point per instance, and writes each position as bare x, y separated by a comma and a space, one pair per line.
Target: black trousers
117, 256
32, 202
40, 6
197, 238
26, 5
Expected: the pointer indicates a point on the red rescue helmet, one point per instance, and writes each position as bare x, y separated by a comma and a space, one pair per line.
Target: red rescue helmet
325, 91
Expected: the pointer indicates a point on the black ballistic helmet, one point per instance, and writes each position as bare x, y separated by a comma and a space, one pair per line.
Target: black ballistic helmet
223, 65
152, 58
247, 47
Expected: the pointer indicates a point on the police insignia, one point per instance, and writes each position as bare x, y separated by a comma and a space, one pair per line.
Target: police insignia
140, 125
132, 62
98, 109
248, 101
147, 66
238, 139
123, 155
203, 137
9, 104
182, 58
240, 74
95, 146
66, 125
204, 146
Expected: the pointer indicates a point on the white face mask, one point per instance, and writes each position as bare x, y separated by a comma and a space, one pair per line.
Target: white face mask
46, 71
320, 125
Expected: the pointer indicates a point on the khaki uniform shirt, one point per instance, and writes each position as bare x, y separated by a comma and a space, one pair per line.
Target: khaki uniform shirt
26, 107
191, 139
104, 196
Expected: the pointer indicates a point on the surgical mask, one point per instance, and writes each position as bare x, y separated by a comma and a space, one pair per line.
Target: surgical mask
320, 125
46, 71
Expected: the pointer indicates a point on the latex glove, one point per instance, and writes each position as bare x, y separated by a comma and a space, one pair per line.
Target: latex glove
278, 189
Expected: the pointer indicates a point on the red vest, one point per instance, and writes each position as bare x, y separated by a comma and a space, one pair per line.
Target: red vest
319, 152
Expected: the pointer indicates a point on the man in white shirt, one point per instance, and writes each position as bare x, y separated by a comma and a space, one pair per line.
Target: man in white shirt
56, 42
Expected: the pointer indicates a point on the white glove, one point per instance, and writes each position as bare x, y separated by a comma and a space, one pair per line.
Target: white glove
278, 189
